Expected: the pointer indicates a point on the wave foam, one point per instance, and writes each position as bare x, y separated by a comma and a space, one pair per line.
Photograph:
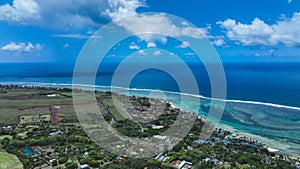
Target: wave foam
147, 90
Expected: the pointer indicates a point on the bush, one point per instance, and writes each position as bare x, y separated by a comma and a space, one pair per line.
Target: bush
71, 165
62, 160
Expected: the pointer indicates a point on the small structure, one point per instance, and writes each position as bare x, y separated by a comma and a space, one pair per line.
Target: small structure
54, 110
185, 165
160, 137
53, 95
86, 154
55, 133
84, 166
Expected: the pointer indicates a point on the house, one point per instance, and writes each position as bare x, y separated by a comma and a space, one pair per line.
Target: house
53, 95
182, 164
176, 163
199, 141
52, 160
160, 137
157, 127
84, 166
206, 159
55, 133
185, 165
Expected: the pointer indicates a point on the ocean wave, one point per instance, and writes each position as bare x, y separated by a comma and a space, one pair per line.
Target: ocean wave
148, 90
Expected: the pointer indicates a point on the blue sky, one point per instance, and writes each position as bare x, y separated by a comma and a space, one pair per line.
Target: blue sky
55, 31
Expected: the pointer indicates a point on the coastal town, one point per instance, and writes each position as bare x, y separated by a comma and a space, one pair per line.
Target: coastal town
47, 135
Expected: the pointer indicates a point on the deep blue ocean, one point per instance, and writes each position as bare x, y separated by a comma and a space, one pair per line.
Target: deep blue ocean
270, 82
263, 99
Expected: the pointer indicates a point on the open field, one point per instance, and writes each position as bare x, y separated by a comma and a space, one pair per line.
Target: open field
22, 105
29, 103
9, 161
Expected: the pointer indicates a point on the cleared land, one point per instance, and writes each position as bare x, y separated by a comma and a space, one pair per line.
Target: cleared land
28, 103
21, 105
9, 161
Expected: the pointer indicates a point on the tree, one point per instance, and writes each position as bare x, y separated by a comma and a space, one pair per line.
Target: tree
62, 160
99, 156
93, 153
178, 147
71, 165
94, 163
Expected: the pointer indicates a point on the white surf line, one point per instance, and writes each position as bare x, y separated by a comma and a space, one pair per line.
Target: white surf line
154, 90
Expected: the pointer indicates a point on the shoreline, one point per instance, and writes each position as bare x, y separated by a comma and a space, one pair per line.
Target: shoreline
65, 85
269, 145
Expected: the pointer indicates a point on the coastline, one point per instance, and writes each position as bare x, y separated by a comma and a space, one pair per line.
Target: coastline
271, 144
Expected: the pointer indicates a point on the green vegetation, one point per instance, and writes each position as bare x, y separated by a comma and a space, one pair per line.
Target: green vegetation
9, 161
67, 145
5, 137
28, 102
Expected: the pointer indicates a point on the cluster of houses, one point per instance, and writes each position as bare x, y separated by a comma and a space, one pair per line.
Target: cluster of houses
179, 164
182, 164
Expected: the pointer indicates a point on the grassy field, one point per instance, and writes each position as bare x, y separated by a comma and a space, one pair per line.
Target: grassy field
118, 116
20, 105
17, 102
8, 161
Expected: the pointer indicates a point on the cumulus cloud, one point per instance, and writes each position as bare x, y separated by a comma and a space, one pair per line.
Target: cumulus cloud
142, 52
157, 53
218, 42
69, 14
134, 46
122, 8
285, 31
157, 27
185, 44
151, 45
21, 47
21, 11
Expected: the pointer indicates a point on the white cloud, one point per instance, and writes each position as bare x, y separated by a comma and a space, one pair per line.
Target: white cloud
21, 47
157, 53
159, 24
67, 14
184, 23
151, 45
21, 11
285, 31
122, 8
134, 46
142, 52
270, 52
185, 44
219, 42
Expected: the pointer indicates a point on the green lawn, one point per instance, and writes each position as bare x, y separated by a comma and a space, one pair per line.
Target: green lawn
9, 161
